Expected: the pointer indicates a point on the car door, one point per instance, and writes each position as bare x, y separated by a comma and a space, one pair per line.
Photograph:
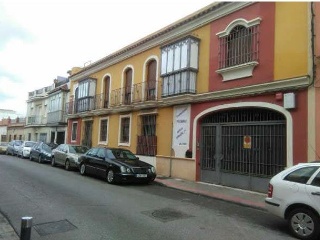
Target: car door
59, 154
90, 160
100, 163
313, 190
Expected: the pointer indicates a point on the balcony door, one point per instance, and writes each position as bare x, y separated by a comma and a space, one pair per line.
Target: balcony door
128, 86
150, 90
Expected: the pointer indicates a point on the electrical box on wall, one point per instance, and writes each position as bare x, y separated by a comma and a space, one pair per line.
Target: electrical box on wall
289, 100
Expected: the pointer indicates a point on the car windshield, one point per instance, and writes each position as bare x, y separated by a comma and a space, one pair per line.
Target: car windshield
78, 149
29, 144
18, 143
3, 144
120, 154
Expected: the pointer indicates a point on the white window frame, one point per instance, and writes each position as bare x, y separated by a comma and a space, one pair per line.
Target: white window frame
107, 134
127, 144
72, 128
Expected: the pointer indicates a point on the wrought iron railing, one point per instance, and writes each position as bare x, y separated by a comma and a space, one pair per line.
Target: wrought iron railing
36, 119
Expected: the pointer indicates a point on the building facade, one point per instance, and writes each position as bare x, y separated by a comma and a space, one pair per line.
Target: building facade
226, 95
46, 120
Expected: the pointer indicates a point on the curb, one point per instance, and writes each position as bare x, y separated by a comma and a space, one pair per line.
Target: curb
218, 196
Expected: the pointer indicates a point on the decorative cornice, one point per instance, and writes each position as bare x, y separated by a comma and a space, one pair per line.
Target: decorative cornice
172, 32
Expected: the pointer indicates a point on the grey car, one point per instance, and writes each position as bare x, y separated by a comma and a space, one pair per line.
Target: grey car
13, 147
67, 155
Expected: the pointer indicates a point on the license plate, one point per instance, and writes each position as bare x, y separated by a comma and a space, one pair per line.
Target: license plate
141, 175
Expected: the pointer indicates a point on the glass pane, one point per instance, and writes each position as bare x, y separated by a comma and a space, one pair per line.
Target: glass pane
178, 83
171, 85
184, 55
170, 60
164, 57
194, 55
177, 56
165, 86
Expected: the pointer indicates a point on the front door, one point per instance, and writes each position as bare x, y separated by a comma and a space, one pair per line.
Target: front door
242, 149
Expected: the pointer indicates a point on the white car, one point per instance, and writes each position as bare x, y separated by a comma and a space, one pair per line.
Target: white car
294, 195
25, 148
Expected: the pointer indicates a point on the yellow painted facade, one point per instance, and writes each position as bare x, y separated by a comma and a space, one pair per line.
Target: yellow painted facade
164, 115
291, 40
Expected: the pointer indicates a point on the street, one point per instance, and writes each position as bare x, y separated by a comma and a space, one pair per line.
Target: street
66, 205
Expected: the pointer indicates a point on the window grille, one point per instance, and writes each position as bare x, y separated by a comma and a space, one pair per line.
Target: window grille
74, 131
103, 130
239, 47
147, 141
125, 130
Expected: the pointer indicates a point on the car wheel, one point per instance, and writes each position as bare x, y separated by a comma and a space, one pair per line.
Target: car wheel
39, 159
110, 176
53, 163
83, 169
67, 165
304, 224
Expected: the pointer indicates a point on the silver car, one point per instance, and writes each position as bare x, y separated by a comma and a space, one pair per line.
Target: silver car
67, 155
25, 148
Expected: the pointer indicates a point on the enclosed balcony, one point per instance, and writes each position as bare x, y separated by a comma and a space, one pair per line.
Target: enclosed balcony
56, 117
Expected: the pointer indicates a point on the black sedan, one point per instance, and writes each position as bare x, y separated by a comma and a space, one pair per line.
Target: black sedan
116, 165
41, 152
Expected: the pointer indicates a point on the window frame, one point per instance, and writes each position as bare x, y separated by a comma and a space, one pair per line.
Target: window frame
242, 69
74, 139
120, 134
106, 140
179, 66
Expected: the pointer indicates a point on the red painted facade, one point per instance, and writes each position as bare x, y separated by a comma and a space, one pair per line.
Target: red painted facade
264, 71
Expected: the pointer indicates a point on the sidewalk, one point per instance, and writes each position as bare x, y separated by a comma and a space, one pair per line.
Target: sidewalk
6, 230
238, 196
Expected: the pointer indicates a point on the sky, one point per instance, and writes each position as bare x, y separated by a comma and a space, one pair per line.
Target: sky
43, 39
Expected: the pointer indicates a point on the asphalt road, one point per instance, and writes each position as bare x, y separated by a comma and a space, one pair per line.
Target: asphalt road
66, 205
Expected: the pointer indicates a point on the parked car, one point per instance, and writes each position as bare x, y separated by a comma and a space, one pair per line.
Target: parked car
25, 148
116, 165
67, 155
294, 195
3, 147
13, 146
41, 152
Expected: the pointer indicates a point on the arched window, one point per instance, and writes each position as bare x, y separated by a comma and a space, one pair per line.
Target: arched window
239, 46
150, 87
127, 86
106, 92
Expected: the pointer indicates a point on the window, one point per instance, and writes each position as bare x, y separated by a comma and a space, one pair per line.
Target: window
179, 67
147, 141
106, 92
301, 175
103, 137
74, 131
239, 49
125, 129
127, 87
316, 181
85, 95
150, 89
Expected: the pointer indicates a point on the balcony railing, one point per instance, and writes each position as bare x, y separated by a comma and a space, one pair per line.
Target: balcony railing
36, 119
56, 117
140, 93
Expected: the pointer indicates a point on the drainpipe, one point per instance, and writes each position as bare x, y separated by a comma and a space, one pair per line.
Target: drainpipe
171, 149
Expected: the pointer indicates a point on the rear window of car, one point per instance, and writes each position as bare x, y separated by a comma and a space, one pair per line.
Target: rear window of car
301, 175
29, 144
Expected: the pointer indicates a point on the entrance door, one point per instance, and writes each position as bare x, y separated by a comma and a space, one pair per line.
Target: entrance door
87, 135
242, 149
